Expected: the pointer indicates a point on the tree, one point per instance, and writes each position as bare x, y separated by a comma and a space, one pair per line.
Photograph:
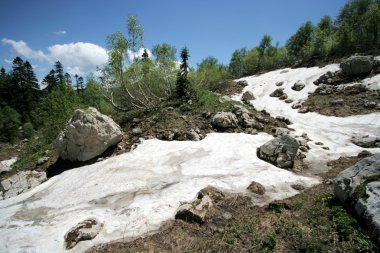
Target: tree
300, 44
50, 81
145, 55
164, 53
135, 32
265, 43
237, 66
68, 80
10, 120
59, 76
182, 80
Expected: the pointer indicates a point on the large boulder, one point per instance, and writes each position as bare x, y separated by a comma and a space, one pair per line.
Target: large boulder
280, 151
21, 182
357, 66
224, 120
87, 135
366, 141
247, 96
359, 188
277, 93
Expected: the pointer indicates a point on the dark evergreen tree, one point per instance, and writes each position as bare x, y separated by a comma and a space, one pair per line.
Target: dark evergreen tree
59, 76
182, 80
68, 79
237, 66
145, 55
50, 81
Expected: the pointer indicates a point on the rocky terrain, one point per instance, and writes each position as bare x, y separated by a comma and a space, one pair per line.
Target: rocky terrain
197, 170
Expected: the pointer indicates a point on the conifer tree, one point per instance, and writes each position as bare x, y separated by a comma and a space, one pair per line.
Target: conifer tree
182, 80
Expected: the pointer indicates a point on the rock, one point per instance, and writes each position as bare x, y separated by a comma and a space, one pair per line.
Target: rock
21, 182
303, 109
298, 86
279, 84
42, 160
277, 93
331, 78
256, 188
195, 212
214, 194
288, 101
366, 141
337, 102
284, 71
261, 119
280, 131
370, 104
224, 120
297, 105
206, 115
359, 187
240, 110
283, 97
85, 230
364, 154
283, 119
87, 135
355, 89
298, 187
242, 83
136, 131
319, 143
5, 165
247, 96
326, 148
193, 135
279, 151
357, 66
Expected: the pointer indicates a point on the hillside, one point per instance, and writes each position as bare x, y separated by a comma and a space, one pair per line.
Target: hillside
138, 193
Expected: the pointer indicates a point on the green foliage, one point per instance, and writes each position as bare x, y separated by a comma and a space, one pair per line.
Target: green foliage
164, 53
300, 44
28, 130
237, 66
210, 75
10, 120
268, 243
54, 111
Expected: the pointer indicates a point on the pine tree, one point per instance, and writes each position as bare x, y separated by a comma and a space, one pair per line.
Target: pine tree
50, 80
59, 76
68, 79
182, 81
145, 55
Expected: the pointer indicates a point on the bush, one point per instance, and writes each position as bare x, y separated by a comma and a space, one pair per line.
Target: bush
28, 130
10, 120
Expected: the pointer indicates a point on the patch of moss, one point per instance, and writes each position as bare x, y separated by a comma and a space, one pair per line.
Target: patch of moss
360, 191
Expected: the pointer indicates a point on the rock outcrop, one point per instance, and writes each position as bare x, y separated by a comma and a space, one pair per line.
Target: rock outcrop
280, 151
22, 182
87, 135
359, 188
85, 230
224, 120
357, 66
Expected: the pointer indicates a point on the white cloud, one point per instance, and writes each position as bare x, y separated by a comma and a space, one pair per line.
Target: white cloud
133, 55
8, 61
78, 58
22, 48
62, 32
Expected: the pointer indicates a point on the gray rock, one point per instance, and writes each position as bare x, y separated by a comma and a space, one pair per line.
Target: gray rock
214, 194
42, 160
283, 97
22, 182
277, 93
87, 135
136, 131
357, 65
304, 109
240, 110
366, 141
288, 101
370, 104
247, 96
359, 187
279, 151
261, 119
224, 120
193, 135
283, 119
279, 84
242, 83
256, 188
355, 89
298, 86
5, 165
85, 230
280, 131
195, 212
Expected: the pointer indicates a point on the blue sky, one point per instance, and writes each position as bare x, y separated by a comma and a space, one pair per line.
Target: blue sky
74, 32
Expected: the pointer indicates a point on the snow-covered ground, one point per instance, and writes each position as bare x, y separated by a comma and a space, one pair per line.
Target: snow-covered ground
136, 193
333, 132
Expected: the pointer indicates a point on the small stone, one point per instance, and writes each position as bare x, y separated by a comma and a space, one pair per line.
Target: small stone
214, 194
303, 149
298, 187
319, 143
364, 153
277, 93
247, 96
85, 230
326, 148
257, 188
288, 101
136, 131
298, 86
303, 109
242, 83
261, 119
279, 83
42, 160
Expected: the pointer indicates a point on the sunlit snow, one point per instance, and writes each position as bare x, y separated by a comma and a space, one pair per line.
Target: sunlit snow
134, 194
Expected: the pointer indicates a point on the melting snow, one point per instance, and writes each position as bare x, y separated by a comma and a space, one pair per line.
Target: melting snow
136, 193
